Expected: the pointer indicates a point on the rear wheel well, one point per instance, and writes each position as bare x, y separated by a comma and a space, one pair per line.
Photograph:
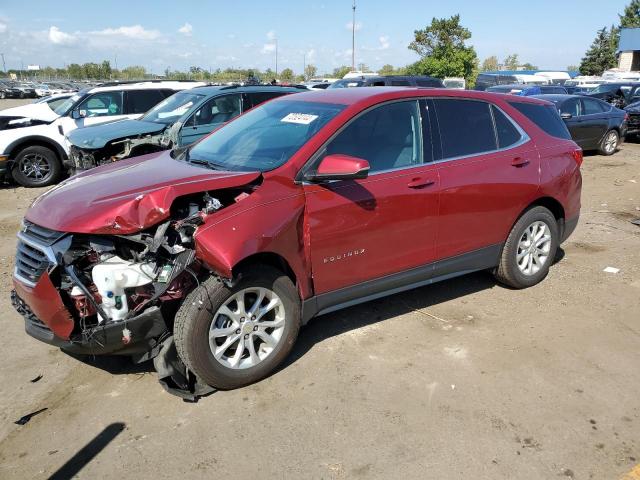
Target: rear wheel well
552, 205
266, 258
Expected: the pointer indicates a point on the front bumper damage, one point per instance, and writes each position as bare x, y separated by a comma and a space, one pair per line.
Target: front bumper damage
62, 307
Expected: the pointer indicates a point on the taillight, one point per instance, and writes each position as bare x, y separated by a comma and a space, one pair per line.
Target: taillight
577, 156
626, 117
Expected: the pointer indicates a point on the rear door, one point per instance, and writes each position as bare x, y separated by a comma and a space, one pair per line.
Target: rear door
594, 122
213, 114
489, 172
366, 229
137, 102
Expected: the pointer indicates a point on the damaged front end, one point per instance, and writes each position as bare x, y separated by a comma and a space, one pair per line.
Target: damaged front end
101, 294
83, 158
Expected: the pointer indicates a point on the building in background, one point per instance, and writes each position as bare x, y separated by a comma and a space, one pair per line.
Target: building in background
629, 50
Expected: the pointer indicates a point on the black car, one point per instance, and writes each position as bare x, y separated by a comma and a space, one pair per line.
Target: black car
619, 94
593, 123
7, 90
527, 90
633, 123
486, 80
389, 81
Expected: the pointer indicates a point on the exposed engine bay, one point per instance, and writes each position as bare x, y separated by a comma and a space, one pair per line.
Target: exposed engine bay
81, 159
121, 292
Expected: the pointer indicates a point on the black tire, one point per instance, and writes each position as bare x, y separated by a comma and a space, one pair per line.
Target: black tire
21, 94
508, 271
605, 148
45, 156
194, 318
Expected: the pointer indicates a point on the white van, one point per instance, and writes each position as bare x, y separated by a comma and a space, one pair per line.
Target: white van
554, 78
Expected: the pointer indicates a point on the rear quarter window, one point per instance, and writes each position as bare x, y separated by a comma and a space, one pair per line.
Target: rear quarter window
546, 117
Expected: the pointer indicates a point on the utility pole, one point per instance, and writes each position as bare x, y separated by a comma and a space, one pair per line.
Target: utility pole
4, 67
353, 38
304, 65
276, 40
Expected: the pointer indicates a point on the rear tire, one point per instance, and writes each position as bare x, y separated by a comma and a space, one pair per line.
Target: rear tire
529, 250
610, 143
201, 330
36, 166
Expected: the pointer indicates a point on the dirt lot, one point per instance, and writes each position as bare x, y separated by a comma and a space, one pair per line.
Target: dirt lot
464, 379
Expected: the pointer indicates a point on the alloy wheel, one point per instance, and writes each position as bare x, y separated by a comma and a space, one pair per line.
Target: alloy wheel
611, 142
34, 165
247, 328
533, 248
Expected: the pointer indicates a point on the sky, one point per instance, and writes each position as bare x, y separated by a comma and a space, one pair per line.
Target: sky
214, 34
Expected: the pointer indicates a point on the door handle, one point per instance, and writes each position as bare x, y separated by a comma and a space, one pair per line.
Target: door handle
419, 182
519, 162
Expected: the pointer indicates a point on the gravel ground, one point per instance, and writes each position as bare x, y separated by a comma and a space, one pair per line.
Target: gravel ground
463, 379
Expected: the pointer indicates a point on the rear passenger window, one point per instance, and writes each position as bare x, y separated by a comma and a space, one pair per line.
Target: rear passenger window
466, 127
591, 107
545, 117
388, 137
506, 131
139, 101
256, 98
427, 83
399, 83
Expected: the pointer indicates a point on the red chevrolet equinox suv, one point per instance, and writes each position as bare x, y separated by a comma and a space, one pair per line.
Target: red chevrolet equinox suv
209, 259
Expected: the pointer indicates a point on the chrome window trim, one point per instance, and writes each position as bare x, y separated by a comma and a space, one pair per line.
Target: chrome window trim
524, 138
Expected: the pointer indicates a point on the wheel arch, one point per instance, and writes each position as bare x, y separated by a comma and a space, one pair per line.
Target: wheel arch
551, 204
36, 141
270, 259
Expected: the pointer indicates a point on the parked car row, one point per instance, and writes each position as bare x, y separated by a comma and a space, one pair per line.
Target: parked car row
210, 258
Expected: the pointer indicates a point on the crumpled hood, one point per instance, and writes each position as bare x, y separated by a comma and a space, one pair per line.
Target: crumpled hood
36, 111
97, 136
126, 196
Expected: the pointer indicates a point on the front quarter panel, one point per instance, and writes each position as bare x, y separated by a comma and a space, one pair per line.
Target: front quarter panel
263, 225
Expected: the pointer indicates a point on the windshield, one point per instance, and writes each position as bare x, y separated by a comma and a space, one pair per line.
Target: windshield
172, 108
64, 107
348, 83
264, 138
605, 88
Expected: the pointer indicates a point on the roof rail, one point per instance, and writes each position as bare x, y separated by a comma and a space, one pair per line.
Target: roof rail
129, 82
229, 87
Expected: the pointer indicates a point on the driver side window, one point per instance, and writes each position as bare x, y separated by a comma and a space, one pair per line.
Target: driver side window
102, 104
217, 110
388, 137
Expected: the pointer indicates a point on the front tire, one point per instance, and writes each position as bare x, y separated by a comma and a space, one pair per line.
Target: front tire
36, 167
529, 250
231, 337
610, 143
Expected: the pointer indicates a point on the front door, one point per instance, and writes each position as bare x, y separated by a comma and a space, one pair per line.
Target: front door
213, 114
366, 229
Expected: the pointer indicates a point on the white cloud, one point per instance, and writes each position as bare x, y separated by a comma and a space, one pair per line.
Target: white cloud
268, 48
3, 27
271, 35
58, 37
311, 54
384, 42
186, 29
137, 32
349, 26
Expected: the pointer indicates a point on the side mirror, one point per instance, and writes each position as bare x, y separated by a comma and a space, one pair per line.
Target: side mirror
339, 167
78, 114
566, 116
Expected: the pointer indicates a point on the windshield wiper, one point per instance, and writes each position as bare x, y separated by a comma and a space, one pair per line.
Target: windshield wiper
196, 161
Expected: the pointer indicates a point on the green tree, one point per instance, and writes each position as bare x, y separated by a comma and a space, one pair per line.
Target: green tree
529, 66
75, 71
490, 64
105, 69
511, 62
631, 16
573, 68
443, 51
340, 72
286, 75
387, 70
310, 71
600, 56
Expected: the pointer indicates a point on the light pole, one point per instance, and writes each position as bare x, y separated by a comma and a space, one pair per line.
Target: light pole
353, 38
276, 40
304, 65
4, 67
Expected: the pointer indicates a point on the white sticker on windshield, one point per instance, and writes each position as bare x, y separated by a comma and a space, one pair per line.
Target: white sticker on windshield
301, 118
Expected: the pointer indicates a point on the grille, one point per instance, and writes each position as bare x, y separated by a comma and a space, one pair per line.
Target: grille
31, 259
31, 262
32, 322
